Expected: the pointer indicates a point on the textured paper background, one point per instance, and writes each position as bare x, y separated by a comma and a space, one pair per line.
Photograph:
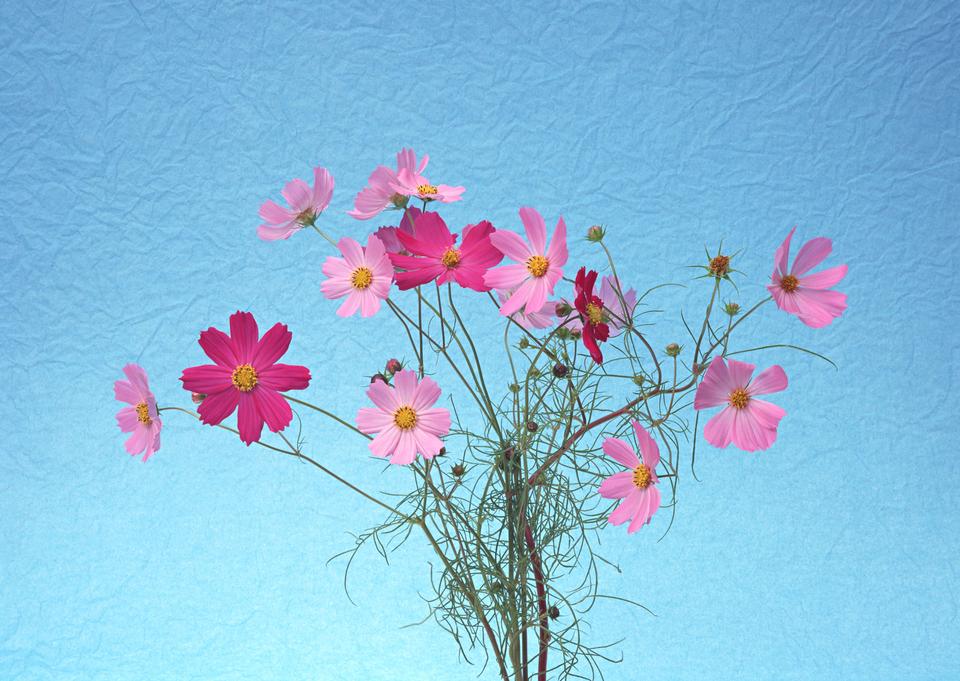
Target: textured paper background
138, 141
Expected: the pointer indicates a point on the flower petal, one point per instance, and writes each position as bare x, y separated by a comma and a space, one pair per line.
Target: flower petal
271, 347
272, 407
249, 419
771, 380
621, 452
617, 486
219, 348
218, 406
243, 335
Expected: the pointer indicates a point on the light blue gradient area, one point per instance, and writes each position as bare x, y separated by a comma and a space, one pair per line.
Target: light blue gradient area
138, 142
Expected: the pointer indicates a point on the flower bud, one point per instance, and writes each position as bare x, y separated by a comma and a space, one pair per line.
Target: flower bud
595, 234
458, 470
524, 343
554, 612
639, 380
399, 201
393, 366
563, 309
508, 452
673, 349
514, 388
442, 452
719, 266
532, 426
732, 309
563, 333
197, 397
378, 377
559, 370
533, 372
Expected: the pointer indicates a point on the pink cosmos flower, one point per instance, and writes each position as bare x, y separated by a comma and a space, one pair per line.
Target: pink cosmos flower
379, 192
305, 205
807, 297
363, 275
434, 254
540, 319
410, 181
246, 375
141, 418
747, 422
404, 418
388, 235
636, 486
539, 268
613, 311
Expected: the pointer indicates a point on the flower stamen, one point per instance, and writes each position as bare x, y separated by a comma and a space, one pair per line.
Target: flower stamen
143, 413
361, 278
720, 266
405, 418
594, 313
244, 378
538, 265
739, 398
789, 283
427, 189
642, 477
451, 258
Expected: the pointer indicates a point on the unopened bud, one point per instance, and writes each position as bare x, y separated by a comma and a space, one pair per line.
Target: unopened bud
559, 370
524, 343
399, 200
378, 377
595, 234
533, 372
563, 333
442, 452
563, 309
514, 388
393, 366
732, 309
197, 397
532, 426
639, 380
554, 612
673, 350
458, 470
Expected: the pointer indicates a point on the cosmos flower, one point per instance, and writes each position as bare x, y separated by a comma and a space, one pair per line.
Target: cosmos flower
363, 275
246, 375
141, 418
305, 203
435, 256
747, 422
538, 267
808, 296
385, 187
410, 181
404, 418
593, 319
636, 487
539, 319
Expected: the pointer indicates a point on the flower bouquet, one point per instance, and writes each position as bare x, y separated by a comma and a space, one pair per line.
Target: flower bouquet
508, 483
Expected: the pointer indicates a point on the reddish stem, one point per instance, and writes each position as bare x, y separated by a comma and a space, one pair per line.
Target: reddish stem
541, 602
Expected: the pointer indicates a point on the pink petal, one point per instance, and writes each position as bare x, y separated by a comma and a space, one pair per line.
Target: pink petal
385, 444
272, 346
127, 419
818, 308
218, 406
297, 194
810, 255
383, 396
243, 335
352, 252
138, 379
268, 233
538, 294
519, 297
207, 378
405, 384
511, 245
719, 429
406, 450
276, 215
621, 452
370, 420
272, 407
426, 394
125, 392
507, 277
219, 348
369, 303
825, 279
740, 373
322, 188
350, 305
535, 228
617, 486
767, 414
557, 255
283, 377
137, 441
648, 447
771, 380
749, 434
249, 419
645, 512
436, 421
428, 444
782, 256
715, 387
627, 508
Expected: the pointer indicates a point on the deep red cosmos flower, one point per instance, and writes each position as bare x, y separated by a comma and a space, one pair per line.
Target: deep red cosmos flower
590, 307
246, 375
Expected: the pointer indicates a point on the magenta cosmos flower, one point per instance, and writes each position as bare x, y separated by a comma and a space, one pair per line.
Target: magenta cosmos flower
594, 328
305, 205
141, 418
539, 268
807, 296
636, 486
434, 254
404, 418
363, 275
246, 375
747, 422
614, 313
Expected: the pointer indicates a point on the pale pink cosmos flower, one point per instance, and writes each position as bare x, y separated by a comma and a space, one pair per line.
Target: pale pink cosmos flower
539, 267
807, 297
305, 203
635, 486
404, 418
747, 422
613, 312
541, 319
411, 181
379, 192
363, 275
141, 418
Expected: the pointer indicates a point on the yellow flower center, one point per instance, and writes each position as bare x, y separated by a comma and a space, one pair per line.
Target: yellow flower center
405, 418
451, 258
720, 266
426, 189
538, 265
244, 378
789, 283
739, 398
143, 414
594, 313
642, 476
361, 278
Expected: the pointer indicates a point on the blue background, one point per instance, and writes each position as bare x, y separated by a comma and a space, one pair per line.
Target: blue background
137, 142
